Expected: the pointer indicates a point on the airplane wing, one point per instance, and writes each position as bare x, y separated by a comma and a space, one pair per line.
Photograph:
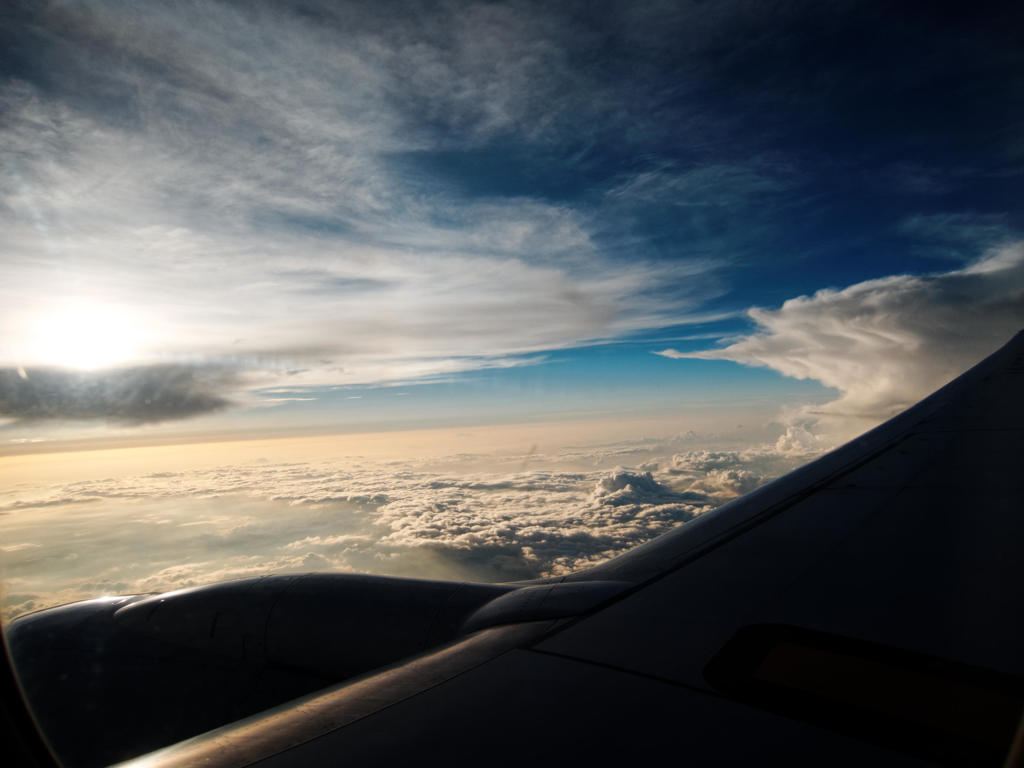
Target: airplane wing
864, 609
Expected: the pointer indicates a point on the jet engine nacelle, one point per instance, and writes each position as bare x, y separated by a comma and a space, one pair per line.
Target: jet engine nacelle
169, 666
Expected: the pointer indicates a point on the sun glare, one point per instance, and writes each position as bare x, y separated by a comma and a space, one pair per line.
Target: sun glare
84, 335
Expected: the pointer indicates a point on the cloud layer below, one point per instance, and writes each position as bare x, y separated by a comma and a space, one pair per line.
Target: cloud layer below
167, 530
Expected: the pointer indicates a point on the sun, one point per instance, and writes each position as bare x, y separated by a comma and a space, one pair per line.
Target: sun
82, 334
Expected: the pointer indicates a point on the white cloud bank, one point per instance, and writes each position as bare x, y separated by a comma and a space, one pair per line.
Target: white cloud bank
886, 343
169, 530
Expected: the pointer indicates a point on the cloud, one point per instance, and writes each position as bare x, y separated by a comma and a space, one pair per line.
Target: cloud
721, 475
253, 212
672, 354
166, 530
136, 395
725, 186
622, 487
886, 343
800, 438
295, 189
19, 547
957, 235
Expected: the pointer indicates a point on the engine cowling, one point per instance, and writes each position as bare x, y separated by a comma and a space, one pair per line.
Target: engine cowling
162, 668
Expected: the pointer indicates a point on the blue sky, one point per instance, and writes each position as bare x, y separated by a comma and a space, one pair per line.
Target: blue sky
222, 214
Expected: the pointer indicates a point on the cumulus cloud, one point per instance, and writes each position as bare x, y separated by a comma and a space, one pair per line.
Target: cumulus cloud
721, 475
886, 343
135, 395
621, 487
799, 439
166, 530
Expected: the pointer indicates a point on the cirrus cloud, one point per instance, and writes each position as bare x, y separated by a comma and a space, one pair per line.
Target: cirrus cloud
229, 181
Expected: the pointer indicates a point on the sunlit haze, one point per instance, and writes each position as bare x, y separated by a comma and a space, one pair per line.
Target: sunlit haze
77, 334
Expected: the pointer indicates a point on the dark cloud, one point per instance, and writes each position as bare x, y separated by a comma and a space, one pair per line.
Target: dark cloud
136, 395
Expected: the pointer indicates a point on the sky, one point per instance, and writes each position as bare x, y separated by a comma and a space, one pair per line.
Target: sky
736, 227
